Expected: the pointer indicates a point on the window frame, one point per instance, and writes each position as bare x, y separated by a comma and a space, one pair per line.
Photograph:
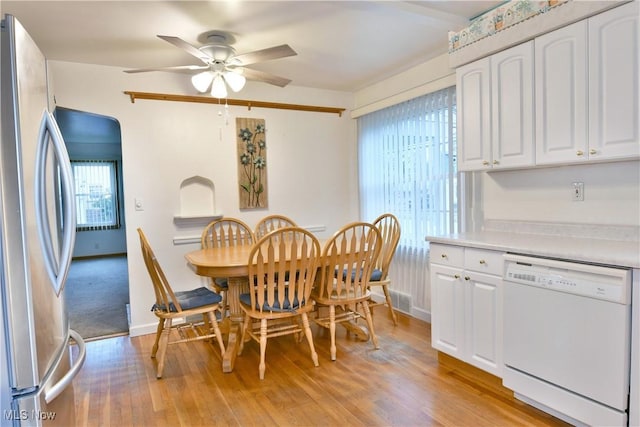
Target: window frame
114, 174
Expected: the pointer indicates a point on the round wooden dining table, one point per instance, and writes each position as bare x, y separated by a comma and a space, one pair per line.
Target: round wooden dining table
232, 262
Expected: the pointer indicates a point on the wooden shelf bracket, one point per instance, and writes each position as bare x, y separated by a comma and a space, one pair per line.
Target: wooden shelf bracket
242, 102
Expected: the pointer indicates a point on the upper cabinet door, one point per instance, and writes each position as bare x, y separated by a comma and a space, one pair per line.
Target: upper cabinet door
561, 95
614, 83
512, 107
473, 92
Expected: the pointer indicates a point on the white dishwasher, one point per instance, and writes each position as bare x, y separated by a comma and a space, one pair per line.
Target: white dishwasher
567, 334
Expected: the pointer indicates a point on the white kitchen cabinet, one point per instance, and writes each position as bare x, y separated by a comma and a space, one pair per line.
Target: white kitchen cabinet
466, 307
448, 310
614, 83
587, 83
561, 95
473, 96
495, 117
512, 111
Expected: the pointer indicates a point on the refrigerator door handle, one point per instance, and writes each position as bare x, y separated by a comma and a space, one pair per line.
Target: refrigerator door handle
53, 392
57, 271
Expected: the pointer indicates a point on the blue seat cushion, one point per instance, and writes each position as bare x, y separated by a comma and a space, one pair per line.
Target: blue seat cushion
191, 299
287, 306
222, 282
376, 275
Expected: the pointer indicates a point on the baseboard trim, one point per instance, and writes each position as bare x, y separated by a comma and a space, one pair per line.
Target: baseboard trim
119, 254
420, 313
149, 328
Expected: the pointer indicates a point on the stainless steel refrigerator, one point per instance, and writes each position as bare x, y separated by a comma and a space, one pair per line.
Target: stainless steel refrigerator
37, 234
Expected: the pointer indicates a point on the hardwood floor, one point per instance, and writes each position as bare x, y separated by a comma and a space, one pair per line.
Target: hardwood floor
401, 384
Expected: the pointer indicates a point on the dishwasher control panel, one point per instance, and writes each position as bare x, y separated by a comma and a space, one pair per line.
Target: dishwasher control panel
607, 283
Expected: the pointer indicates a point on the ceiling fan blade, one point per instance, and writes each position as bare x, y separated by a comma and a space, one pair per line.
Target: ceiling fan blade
179, 68
192, 50
262, 76
268, 54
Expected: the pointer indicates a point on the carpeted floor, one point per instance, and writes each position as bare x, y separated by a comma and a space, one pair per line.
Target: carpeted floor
97, 294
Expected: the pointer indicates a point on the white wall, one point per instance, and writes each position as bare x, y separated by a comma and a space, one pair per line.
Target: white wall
424, 78
611, 194
312, 161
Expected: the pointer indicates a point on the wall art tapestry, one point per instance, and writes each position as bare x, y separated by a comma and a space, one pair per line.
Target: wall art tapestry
252, 163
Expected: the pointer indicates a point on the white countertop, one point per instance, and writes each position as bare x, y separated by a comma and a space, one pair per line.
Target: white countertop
624, 253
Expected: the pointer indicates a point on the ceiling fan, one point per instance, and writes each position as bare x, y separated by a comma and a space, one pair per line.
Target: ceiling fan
222, 65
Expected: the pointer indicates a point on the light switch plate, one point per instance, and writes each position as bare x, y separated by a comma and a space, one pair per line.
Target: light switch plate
578, 192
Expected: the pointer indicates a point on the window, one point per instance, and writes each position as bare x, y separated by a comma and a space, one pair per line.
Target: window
407, 166
96, 187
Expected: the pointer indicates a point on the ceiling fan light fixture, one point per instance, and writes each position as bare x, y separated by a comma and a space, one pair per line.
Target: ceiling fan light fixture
220, 62
202, 81
235, 80
218, 88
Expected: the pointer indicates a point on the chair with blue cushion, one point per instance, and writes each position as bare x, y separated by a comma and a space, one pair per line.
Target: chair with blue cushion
389, 228
282, 270
225, 232
353, 250
200, 303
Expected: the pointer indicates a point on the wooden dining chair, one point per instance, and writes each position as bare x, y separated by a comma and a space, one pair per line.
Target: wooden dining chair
282, 269
172, 305
225, 232
348, 258
389, 228
272, 222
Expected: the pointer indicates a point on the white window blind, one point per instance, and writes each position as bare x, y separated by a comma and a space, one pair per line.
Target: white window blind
407, 167
96, 194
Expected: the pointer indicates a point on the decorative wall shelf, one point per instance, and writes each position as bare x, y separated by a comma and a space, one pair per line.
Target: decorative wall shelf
242, 102
195, 220
197, 202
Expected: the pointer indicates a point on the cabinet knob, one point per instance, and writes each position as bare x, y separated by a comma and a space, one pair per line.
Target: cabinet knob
593, 151
495, 162
443, 256
486, 163
482, 262
579, 153
457, 276
467, 278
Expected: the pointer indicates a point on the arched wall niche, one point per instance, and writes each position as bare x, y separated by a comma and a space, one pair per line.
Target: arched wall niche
197, 201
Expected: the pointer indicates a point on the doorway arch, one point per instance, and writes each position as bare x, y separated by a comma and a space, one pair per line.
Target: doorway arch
97, 294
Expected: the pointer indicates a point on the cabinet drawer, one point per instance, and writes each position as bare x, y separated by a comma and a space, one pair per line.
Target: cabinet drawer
447, 255
484, 261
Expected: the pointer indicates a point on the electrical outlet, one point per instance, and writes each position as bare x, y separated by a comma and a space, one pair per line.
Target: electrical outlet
578, 192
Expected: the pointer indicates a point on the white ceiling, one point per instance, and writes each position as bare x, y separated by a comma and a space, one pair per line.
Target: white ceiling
341, 45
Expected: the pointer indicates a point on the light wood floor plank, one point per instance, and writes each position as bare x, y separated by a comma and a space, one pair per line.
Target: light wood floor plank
404, 383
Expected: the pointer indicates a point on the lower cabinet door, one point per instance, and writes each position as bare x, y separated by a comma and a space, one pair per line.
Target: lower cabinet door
484, 322
447, 310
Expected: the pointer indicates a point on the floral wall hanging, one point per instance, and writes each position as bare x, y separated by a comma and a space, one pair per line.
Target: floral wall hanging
252, 163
